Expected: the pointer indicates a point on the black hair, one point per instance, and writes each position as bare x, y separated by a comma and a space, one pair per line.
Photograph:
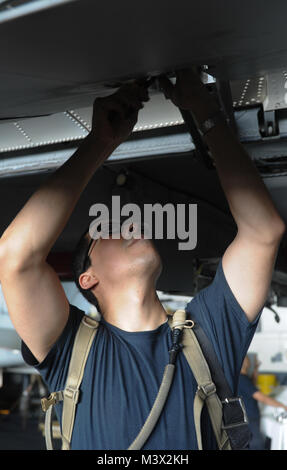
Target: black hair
80, 263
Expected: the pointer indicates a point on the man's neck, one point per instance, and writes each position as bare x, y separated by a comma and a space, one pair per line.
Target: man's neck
135, 311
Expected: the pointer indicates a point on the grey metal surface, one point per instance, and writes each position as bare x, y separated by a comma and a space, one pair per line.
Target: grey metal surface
268, 92
75, 124
248, 92
276, 94
36, 133
41, 161
61, 58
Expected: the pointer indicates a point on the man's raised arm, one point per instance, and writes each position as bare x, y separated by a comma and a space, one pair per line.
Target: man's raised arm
248, 261
35, 298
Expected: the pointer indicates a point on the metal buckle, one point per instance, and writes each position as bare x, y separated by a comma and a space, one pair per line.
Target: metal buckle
90, 322
72, 394
206, 390
243, 409
52, 400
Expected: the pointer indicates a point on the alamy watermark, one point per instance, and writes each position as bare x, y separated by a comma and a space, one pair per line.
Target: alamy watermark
145, 223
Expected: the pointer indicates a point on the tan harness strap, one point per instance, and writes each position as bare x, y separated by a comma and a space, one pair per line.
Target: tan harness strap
206, 390
83, 341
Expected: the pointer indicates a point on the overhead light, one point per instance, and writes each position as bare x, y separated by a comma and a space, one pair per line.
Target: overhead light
12, 9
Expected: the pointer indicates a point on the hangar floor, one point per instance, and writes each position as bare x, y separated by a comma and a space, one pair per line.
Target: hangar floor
15, 436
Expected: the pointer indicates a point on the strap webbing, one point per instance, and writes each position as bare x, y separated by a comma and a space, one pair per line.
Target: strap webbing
234, 418
206, 392
83, 341
222, 386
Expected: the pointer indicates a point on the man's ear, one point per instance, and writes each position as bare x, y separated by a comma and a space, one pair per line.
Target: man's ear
87, 280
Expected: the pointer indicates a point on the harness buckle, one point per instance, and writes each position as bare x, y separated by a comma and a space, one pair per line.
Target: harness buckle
205, 390
234, 413
51, 400
90, 322
72, 394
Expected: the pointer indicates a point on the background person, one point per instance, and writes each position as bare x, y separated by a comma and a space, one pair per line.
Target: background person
251, 396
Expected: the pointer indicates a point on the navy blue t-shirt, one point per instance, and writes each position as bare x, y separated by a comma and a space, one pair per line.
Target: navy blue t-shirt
246, 389
124, 372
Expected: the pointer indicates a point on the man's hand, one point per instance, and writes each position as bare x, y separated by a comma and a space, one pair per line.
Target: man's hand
115, 116
188, 92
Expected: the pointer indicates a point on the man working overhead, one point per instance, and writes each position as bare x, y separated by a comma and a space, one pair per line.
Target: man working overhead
127, 358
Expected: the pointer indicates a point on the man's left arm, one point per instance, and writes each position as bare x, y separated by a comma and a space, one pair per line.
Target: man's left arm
248, 261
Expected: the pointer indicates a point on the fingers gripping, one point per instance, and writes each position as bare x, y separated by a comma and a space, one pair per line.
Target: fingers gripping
124, 103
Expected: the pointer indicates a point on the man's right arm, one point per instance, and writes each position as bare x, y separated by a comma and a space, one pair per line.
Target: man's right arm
35, 298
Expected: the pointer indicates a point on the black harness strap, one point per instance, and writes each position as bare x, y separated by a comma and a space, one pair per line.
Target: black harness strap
235, 421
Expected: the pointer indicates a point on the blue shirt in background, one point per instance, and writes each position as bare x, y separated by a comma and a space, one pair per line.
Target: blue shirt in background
124, 371
246, 389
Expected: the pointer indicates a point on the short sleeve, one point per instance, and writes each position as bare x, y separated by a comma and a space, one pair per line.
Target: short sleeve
54, 368
218, 312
